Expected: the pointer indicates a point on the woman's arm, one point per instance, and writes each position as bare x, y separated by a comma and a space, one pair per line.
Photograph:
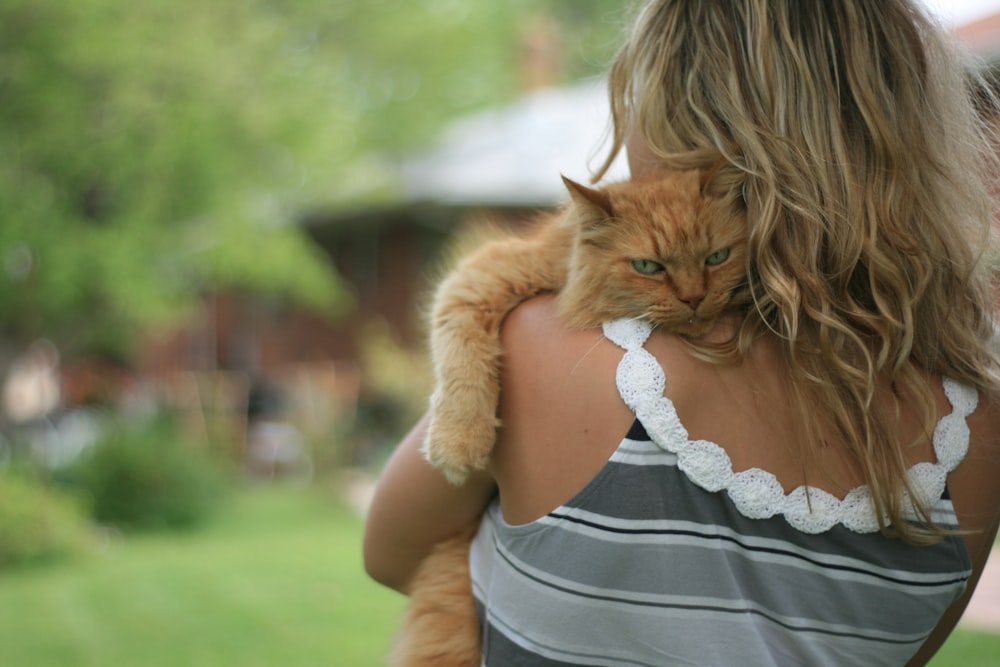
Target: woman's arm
413, 509
976, 497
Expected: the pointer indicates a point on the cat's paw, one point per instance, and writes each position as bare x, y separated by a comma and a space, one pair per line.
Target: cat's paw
459, 447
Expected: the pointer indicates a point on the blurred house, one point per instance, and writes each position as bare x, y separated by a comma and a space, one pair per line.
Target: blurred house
502, 163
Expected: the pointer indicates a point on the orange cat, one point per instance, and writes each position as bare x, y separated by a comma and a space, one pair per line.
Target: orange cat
662, 249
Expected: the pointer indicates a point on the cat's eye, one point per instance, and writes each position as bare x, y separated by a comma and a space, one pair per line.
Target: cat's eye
717, 257
646, 267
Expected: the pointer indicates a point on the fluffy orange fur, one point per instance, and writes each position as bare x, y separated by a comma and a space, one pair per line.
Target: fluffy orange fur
440, 627
661, 249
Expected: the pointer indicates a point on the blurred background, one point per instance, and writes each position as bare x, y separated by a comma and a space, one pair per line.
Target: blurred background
219, 222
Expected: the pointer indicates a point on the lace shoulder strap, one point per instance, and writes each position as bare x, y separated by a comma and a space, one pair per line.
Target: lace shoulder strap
757, 493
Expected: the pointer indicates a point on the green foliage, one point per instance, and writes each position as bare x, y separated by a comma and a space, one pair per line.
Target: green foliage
37, 523
157, 149
139, 140
147, 477
402, 68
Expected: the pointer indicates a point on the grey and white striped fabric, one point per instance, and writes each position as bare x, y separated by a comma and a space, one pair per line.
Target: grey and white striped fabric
644, 567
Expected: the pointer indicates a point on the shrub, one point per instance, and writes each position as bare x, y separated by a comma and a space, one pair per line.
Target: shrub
147, 477
38, 523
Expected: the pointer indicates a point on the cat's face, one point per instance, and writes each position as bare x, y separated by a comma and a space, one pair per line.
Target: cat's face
657, 248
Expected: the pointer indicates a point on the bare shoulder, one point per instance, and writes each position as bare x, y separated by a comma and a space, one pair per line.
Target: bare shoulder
532, 317
544, 355
981, 467
560, 412
534, 331
973, 484
534, 322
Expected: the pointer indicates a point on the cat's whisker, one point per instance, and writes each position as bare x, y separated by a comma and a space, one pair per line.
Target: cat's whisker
586, 354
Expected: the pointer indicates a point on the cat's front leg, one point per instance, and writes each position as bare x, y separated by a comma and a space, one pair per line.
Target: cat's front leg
469, 307
466, 350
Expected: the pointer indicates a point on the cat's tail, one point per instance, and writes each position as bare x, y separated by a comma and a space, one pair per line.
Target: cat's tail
440, 627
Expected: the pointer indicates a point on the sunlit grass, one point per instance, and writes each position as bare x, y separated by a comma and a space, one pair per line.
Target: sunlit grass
277, 581
969, 649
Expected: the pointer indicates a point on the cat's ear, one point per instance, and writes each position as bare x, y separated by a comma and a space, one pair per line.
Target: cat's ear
595, 202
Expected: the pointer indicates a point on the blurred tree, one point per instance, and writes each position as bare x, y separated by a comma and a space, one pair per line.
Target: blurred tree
158, 149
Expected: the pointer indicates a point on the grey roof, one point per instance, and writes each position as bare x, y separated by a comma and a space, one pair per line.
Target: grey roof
514, 155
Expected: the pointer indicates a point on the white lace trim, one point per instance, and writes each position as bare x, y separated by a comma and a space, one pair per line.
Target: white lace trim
757, 493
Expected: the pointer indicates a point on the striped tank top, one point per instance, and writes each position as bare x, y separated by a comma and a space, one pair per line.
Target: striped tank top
669, 557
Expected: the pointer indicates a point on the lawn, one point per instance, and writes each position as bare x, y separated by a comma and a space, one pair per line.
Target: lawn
969, 649
276, 580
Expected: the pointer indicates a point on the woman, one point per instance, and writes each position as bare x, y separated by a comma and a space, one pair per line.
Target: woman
820, 487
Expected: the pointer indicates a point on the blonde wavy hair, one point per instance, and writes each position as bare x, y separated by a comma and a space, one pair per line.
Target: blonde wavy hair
863, 151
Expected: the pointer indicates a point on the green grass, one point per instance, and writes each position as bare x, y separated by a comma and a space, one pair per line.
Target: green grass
276, 580
969, 649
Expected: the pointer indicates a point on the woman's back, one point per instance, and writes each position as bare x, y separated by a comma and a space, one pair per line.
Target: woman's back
831, 589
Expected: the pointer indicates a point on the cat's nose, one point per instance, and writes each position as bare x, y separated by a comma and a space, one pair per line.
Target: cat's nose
692, 300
